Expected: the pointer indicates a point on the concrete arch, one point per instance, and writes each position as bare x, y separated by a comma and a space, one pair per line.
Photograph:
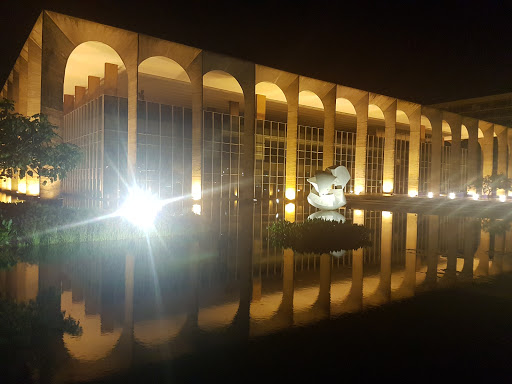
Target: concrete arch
425, 121
464, 133
271, 91
89, 59
446, 129
345, 106
151, 333
92, 344
401, 117
310, 99
165, 67
374, 112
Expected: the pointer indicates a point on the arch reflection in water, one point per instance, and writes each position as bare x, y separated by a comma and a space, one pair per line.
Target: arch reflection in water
138, 307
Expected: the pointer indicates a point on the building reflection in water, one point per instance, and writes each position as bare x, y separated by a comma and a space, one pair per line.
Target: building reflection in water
137, 307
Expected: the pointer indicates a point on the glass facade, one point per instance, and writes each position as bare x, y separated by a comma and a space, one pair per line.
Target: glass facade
401, 184
374, 163
164, 149
445, 169
310, 156
221, 154
100, 129
270, 159
425, 165
345, 154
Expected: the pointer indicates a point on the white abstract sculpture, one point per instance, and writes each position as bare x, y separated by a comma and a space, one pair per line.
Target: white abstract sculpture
324, 194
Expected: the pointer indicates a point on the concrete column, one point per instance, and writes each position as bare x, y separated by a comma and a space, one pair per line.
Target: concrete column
79, 96
133, 89
509, 159
288, 284
386, 243
502, 134
356, 289
324, 294
196, 79
432, 250
329, 101
456, 154
22, 104
487, 144
261, 107
502, 150
292, 97
389, 148
469, 250
410, 256
247, 160
362, 130
437, 147
414, 152
110, 79
16, 90
482, 253
34, 78
234, 108
451, 266
93, 87
472, 160
69, 103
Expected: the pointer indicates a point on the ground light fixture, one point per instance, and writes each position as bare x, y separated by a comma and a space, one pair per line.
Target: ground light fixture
476, 196
430, 195
503, 198
451, 195
140, 208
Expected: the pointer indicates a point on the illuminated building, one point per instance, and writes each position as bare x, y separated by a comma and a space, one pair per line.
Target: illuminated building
179, 121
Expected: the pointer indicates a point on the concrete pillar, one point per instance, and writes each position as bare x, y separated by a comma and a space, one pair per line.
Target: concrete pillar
329, 101
437, 147
356, 289
409, 283
414, 152
195, 72
482, 254
324, 294
69, 103
10, 88
509, 159
362, 130
93, 87
247, 160
110, 80
261, 107
34, 78
469, 250
487, 144
16, 90
22, 104
79, 96
133, 87
292, 97
234, 108
451, 266
386, 244
288, 284
389, 148
472, 161
455, 158
432, 250
502, 149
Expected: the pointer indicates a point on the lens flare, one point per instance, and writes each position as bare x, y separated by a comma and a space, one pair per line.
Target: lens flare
140, 208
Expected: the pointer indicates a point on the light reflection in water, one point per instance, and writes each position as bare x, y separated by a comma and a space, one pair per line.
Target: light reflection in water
227, 289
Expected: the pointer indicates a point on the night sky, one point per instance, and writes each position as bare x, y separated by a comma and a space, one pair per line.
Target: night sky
426, 52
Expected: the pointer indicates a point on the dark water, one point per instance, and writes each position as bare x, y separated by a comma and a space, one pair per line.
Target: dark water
146, 302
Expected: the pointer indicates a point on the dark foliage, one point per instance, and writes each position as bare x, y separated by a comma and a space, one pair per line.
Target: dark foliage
318, 236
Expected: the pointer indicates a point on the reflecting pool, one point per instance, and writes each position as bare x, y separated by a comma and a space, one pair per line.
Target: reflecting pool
146, 302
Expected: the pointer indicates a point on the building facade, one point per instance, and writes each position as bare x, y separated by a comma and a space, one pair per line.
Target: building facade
181, 121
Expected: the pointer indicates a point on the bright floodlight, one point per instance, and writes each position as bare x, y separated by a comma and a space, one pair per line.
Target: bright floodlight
451, 195
503, 198
430, 195
140, 208
476, 196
